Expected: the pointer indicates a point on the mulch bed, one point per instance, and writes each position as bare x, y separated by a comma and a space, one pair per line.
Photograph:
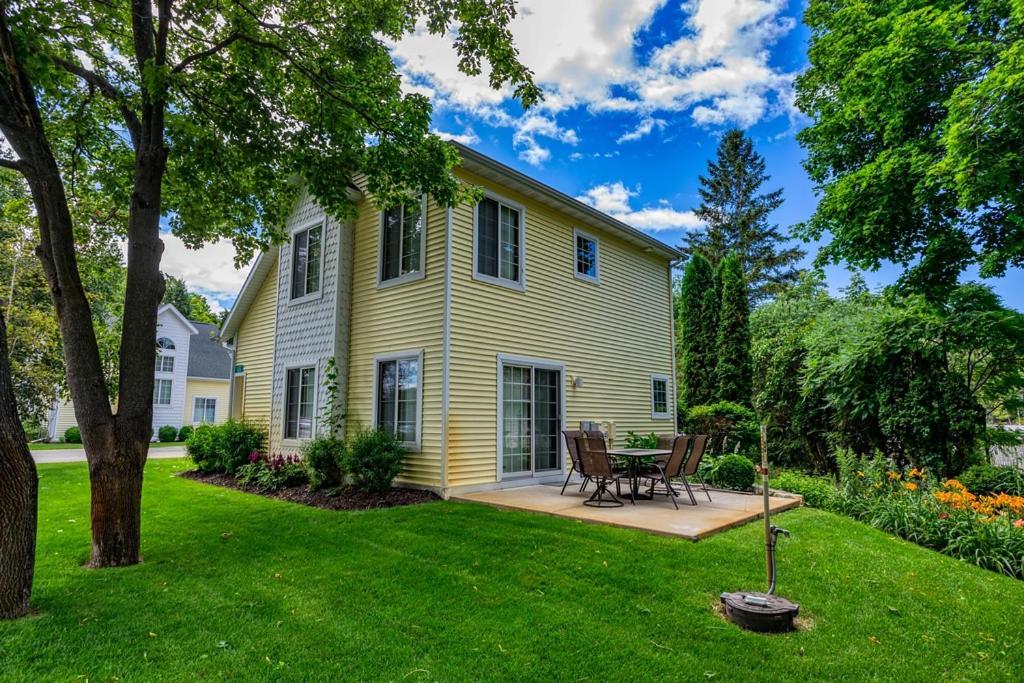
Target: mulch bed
345, 498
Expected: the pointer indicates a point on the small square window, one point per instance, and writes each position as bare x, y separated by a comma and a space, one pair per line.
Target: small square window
204, 410
586, 256
659, 397
164, 363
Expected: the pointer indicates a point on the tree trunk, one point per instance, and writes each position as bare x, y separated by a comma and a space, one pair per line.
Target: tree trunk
116, 487
18, 499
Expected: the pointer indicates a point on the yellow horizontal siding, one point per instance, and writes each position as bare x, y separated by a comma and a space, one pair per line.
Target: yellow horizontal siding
402, 317
614, 335
205, 388
254, 349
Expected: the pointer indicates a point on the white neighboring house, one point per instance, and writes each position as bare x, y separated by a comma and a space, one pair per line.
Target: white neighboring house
191, 380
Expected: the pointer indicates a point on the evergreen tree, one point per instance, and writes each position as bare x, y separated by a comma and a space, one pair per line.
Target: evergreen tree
736, 215
697, 314
192, 305
734, 369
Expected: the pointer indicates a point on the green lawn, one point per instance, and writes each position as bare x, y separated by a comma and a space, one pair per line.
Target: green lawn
63, 446
236, 586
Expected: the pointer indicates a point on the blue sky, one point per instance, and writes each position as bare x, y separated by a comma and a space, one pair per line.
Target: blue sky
638, 93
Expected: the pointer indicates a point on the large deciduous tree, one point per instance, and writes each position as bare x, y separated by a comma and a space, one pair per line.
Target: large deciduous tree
735, 213
734, 370
204, 113
917, 140
697, 314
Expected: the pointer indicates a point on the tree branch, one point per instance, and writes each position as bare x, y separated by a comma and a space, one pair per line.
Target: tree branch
217, 47
13, 164
131, 119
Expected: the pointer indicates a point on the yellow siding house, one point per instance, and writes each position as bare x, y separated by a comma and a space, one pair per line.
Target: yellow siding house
477, 333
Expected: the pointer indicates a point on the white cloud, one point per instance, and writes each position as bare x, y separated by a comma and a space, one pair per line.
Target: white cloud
209, 270
642, 130
614, 200
583, 53
467, 137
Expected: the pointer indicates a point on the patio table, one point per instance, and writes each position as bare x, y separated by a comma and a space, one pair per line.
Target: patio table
634, 460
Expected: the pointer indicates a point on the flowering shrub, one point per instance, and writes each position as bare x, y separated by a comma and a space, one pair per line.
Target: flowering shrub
986, 530
272, 473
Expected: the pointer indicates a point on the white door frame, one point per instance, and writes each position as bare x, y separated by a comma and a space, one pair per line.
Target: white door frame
532, 363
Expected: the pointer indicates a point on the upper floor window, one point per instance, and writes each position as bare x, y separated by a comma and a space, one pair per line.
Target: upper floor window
307, 259
586, 256
401, 242
659, 397
500, 246
164, 355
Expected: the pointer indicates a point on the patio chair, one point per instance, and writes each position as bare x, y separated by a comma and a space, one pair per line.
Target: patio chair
664, 472
570, 436
692, 466
597, 466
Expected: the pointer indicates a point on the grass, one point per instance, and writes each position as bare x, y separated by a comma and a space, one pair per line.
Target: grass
237, 586
63, 446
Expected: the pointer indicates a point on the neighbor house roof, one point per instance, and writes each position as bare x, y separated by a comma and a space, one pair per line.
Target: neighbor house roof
206, 356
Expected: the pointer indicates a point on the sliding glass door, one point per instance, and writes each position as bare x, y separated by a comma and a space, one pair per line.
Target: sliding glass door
531, 418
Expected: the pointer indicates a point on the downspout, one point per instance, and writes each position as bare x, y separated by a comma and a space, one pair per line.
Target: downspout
446, 351
672, 326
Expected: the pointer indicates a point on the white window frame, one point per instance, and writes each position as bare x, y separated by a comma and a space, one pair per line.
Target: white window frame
408, 354
596, 277
160, 358
490, 279
170, 391
411, 276
655, 415
309, 225
543, 364
204, 398
297, 440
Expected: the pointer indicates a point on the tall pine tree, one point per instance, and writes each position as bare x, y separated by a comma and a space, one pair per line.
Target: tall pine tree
734, 370
698, 317
736, 215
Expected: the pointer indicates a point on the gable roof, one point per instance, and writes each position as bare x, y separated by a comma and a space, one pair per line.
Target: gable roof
259, 272
207, 357
494, 170
172, 310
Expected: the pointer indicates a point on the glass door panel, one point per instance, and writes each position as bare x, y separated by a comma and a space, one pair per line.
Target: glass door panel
517, 420
546, 387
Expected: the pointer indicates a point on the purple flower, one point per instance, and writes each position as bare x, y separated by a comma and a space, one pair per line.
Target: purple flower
255, 456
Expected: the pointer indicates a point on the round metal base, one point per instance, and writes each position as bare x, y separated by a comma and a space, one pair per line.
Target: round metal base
760, 611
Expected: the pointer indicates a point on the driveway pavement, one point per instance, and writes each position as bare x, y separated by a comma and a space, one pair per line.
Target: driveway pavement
78, 454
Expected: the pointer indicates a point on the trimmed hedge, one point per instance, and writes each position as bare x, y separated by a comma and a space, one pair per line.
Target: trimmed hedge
167, 434
73, 435
226, 447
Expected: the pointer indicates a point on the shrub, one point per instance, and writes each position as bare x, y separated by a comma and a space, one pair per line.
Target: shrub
324, 457
167, 434
734, 472
73, 435
984, 478
184, 432
235, 440
818, 492
201, 446
634, 440
272, 473
731, 426
373, 459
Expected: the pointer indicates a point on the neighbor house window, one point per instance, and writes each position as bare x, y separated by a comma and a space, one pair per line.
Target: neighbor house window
298, 414
306, 252
659, 396
499, 242
401, 243
397, 399
162, 392
204, 410
164, 357
586, 256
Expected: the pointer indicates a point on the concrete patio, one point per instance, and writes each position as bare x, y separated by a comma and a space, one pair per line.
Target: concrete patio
726, 510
